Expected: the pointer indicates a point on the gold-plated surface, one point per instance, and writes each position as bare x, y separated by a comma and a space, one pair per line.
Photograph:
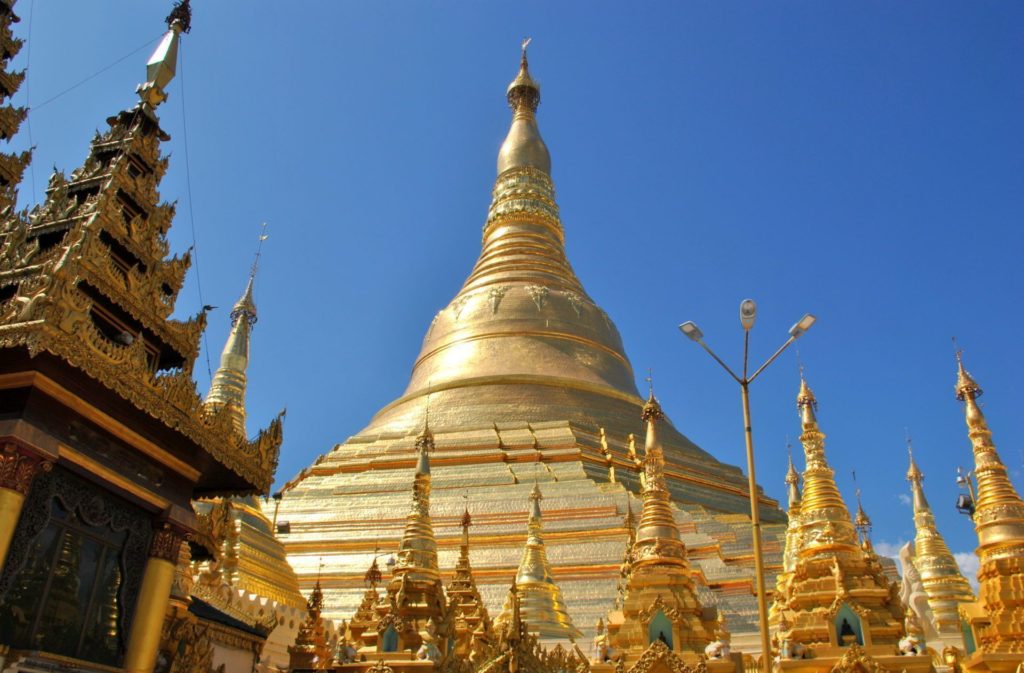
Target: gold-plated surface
658, 581
253, 559
945, 588
227, 390
539, 598
472, 629
147, 624
833, 579
999, 523
312, 649
10, 510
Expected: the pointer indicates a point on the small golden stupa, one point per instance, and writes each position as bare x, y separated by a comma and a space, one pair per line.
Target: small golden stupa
933, 586
833, 598
660, 602
538, 597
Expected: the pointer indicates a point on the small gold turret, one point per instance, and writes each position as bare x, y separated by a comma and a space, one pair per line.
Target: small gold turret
540, 598
833, 592
943, 584
660, 602
472, 627
828, 521
227, 390
862, 524
999, 523
311, 650
793, 485
417, 553
657, 536
793, 513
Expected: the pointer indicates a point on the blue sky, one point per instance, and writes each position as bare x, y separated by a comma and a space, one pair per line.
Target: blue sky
863, 161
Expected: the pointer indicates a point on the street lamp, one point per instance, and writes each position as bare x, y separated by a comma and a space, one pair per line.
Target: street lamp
965, 501
748, 314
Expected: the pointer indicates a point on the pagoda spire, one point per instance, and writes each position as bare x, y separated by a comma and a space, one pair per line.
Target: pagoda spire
793, 515
657, 536
832, 590
12, 166
417, 554
944, 585
659, 574
826, 520
792, 483
523, 146
540, 598
472, 622
227, 390
999, 523
862, 524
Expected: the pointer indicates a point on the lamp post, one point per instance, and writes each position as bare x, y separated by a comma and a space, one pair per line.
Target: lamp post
748, 313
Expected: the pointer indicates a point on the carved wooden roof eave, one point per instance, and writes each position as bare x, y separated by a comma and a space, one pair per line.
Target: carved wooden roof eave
171, 399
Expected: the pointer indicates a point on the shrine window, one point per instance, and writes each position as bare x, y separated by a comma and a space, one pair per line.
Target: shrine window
74, 572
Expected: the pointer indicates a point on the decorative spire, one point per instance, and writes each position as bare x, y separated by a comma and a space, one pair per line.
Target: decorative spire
227, 390
944, 585
830, 522
540, 598
472, 622
655, 570
162, 64
792, 482
916, 477
523, 147
862, 523
999, 512
417, 553
999, 523
657, 536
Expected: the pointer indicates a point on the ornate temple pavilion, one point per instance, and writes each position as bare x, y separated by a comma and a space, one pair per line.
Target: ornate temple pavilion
526, 379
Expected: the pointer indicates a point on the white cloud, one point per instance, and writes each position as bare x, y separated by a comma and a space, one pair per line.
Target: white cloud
968, 562
904, 499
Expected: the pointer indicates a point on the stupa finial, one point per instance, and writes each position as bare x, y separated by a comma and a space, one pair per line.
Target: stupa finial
162, 65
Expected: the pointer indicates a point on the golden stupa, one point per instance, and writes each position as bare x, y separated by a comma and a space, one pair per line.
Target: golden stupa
523, 369
996, 621
933, 586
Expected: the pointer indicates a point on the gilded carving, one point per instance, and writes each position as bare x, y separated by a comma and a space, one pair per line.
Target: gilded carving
166, 543
18, 469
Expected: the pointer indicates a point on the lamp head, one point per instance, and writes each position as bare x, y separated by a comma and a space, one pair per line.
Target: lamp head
748, 313
801, 326
690, 329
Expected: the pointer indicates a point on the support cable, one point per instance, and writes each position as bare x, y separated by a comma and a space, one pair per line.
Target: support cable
191, 211
92, 76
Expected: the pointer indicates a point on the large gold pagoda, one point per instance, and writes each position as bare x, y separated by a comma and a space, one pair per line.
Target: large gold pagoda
997, 620
521, 367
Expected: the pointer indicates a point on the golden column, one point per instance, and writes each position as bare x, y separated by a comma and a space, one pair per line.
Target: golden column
17, 470
999, 522
154, 598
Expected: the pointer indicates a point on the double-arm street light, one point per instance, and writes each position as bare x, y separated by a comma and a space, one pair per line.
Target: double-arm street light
748, 313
